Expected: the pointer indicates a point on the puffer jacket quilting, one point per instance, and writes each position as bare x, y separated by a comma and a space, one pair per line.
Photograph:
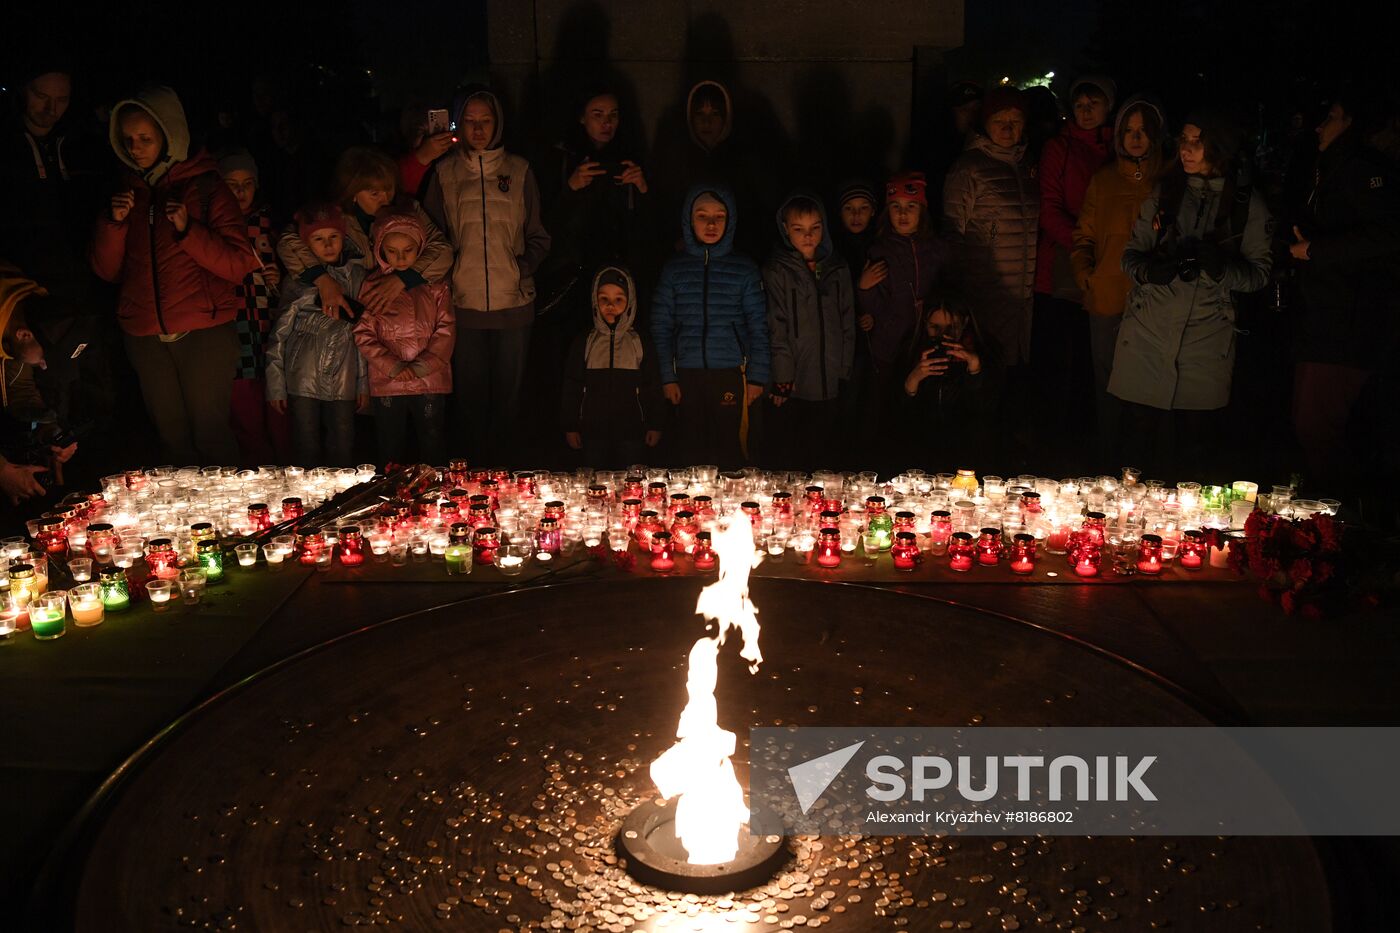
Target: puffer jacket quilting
991, 208
311, 355
709, 310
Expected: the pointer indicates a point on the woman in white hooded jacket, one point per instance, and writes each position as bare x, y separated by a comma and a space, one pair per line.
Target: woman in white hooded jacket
487, 202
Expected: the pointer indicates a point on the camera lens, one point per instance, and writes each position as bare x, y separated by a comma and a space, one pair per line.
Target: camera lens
1189, 269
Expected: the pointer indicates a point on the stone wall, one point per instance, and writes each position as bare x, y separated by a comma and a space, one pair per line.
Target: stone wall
829, 80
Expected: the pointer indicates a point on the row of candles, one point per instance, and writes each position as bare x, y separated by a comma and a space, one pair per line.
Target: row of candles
497, 518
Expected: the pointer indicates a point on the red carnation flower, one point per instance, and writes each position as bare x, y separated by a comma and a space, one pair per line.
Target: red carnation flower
1300, 572
1288, 601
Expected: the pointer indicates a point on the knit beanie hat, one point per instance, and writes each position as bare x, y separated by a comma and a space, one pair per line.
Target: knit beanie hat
320, 217
911, 185
856, 188
1104, 85
238, 160
1002, 97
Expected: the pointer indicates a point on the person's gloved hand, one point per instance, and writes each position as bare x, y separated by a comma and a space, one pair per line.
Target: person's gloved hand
1160, 268
1212, 259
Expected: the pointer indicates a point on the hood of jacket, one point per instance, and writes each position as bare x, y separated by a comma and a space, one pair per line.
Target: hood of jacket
164, 107
785, 249
728, 110
726, 243
387, 223
627, 318
1131, 106
1010, 154
479, 92
1102, 83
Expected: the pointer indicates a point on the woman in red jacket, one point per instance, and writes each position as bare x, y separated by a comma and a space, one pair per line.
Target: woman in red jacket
174, 241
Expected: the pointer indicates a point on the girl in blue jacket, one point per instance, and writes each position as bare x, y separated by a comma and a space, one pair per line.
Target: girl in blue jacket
709, 325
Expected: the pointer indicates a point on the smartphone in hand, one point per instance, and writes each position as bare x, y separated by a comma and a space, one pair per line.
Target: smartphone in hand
438, 122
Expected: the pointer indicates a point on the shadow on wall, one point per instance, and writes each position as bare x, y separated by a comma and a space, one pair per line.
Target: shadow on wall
834, 142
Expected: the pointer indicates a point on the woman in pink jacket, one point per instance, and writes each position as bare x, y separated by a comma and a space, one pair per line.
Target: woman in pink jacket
408, 347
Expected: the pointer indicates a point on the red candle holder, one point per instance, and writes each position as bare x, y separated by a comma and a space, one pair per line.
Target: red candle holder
656, 497
989, 547
485, 542
662, 558
960, 551
52, 537
161, 558
556, 510
102, 541
752, 510
813, 496
829, 548
491, 489
1150, 554
457, 474
525, 485
631, 510
633, 487
1030, 503
905, 551
1193, 551
479, 514
648, 524
1085, 555
1093, 528
459, 534
352, 546
549, 539
292, 508
704, 554
905, 521
309, 545
1023, 553
683, 531
703, 507
940, 530
597, 493
782, 505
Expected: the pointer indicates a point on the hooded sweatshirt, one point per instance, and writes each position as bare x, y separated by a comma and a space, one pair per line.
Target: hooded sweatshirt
1107, 215
489, 205
811, 315
611, 389
172, 282
415, 333
1067, 163
709, 310
914, 266
991, 209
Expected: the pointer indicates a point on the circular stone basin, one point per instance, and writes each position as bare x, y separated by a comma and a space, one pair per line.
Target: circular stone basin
471, 768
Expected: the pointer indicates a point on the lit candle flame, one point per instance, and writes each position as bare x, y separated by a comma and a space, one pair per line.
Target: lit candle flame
711, 809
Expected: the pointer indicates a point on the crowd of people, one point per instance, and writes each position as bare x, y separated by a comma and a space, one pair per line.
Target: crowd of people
686, 308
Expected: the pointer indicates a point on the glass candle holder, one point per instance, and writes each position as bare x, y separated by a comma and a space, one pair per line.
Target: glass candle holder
309, 545
1085, 555
274, 555
48, 615
549, 539
1193, 552
247, 555
85, 602
292, 508
940, 531
989, 547
904, 551
116, 594
1022, 556
260, 515
829, 548
704, 555
1149, 558
775, 543
966, 480
648, 524
159, 593
662, 558
398, 553
458, 559
511, 558
379, 543
879, 520
80, 568
52, 537
351, 545
418, 547
961, 551
211, 558
192, 583
870, 545
485, 542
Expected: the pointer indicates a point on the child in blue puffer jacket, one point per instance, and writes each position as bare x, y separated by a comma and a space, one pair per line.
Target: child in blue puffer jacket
709, 325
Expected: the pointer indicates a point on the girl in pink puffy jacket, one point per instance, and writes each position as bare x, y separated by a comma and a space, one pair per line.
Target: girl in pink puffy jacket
408, 347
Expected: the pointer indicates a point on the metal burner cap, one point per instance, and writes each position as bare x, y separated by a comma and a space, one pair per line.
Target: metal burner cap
656, 857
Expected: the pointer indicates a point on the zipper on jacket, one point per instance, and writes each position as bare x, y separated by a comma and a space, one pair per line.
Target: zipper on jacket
485, 257
155, 265
705, 314
796, 329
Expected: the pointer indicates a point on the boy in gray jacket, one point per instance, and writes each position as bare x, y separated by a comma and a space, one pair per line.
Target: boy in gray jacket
812, 328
